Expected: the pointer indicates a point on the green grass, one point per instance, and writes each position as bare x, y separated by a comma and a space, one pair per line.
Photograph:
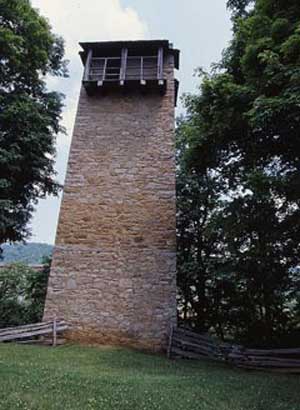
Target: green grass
73, 377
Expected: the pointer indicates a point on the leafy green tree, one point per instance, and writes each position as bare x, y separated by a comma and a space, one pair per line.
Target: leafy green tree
22, 294
246, 124
199, 242
12, 296
29, 114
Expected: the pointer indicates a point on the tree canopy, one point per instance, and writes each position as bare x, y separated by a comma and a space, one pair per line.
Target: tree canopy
241, 143
29, 114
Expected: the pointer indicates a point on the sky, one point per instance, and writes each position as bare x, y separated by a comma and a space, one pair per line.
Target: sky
201, 29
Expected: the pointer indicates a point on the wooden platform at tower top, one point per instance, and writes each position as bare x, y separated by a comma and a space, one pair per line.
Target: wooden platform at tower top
127, 65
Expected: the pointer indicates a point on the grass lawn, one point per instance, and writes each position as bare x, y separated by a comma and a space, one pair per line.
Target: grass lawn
83, 378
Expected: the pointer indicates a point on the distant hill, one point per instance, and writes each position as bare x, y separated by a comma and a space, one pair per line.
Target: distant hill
31, 253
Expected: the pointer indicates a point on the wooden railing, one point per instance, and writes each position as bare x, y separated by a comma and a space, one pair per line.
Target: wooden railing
260, 359
31, 332
186, 344
136, 68
190, 345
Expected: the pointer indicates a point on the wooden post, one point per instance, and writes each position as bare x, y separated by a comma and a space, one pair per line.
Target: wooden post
142, 80
54, 340
123, 66
88, 65
160, 65
104, 70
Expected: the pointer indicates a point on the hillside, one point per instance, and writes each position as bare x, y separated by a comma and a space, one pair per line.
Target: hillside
31, 253
85, 378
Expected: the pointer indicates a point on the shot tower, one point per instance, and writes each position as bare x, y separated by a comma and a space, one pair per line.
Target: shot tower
113, 275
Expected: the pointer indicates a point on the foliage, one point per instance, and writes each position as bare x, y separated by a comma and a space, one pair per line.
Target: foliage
29, 114
86, 378
22, 294
13, 295
30, 253
199, 241
243, 134
239, 7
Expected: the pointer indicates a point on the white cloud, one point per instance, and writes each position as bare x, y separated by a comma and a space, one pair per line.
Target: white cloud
76, 21
91, 20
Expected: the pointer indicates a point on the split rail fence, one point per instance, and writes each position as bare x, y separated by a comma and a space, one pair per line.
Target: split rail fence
190, 345
30, 333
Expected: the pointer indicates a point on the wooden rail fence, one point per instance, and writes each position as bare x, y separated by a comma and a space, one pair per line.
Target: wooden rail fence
184, 343
29, 333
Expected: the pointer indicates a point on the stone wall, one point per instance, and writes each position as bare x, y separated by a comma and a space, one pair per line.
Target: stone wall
113, 271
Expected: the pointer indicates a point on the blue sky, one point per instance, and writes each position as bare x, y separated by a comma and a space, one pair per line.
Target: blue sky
199, 28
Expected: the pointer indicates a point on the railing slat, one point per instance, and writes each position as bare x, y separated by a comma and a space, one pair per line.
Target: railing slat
12, 330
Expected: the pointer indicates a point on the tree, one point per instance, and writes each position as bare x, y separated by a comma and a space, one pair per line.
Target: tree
29, 114
199, 242
22, 294
12, 295
239, 7
246, 123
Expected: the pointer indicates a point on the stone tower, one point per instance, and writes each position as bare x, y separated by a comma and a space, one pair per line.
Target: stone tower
113, 275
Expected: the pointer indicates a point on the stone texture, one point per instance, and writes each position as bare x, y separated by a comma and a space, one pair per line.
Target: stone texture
113, 271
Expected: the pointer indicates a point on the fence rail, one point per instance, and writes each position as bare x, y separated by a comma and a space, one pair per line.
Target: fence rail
190, 345
23, 333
